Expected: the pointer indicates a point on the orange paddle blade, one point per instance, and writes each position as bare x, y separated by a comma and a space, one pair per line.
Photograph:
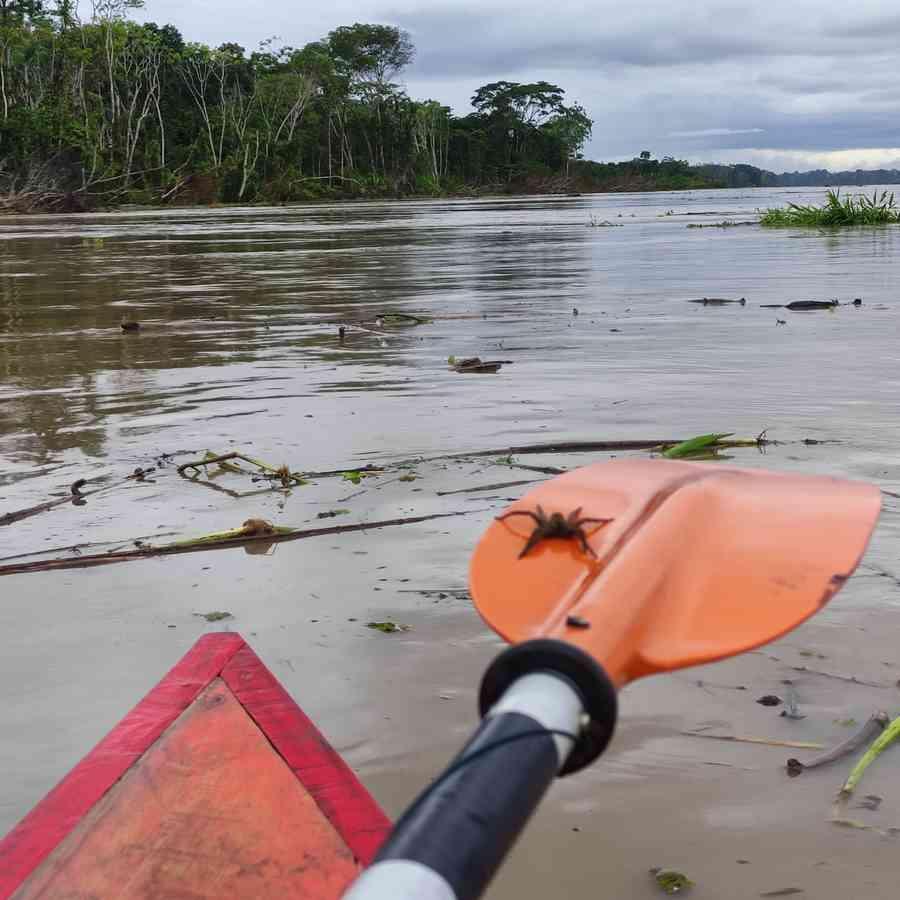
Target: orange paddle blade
699, 562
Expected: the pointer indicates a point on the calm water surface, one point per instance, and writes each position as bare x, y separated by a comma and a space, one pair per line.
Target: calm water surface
240, 308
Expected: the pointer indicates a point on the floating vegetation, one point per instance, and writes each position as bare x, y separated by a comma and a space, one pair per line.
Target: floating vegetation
837, 212
215, 616
883, 740
670, 881
694, 445
387, 627
281, 474
399, 318
603, 223
355, 476
723, 224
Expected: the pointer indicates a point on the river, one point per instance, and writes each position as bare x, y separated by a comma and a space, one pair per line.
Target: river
239, 349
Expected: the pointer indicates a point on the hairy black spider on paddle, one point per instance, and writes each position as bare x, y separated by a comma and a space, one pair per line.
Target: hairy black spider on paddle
556, 525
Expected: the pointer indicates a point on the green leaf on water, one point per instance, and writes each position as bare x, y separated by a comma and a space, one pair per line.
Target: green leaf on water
694, 445
408, 477
354, 477
387, 627
670, 881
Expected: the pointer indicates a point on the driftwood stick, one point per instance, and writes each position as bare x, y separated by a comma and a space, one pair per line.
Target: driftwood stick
19, 514
488, 487
208, 461
876, 723
544, 470
102, 559
75, 496
801, 745
852, 679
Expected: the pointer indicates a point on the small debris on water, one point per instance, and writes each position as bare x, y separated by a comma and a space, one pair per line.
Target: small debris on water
215, 616
387, 627
670, 881
475, 365
871, 801
783, 892
331, 513
769, 700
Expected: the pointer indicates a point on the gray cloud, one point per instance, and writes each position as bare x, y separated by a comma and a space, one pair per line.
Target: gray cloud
805, 81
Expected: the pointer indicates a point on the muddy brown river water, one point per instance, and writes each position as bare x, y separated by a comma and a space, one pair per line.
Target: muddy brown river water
239, 349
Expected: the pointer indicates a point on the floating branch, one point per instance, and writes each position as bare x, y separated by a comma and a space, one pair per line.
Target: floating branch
222, 540
872, 728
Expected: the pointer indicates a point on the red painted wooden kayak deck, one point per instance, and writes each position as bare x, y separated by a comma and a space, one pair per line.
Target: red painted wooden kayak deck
215, 785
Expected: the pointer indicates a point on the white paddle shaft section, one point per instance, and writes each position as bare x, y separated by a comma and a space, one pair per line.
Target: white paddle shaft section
548, 699
541, 705
398, 879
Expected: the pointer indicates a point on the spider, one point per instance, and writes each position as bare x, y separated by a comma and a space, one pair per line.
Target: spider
556, 525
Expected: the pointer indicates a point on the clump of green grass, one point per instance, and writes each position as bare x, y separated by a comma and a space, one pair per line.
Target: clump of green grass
837, 212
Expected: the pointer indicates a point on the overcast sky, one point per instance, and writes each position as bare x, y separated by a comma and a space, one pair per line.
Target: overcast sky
783, 85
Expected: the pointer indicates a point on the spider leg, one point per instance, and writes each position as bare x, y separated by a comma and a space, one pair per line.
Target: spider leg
518, 512
536, 538
579, 522
572, 517
584, 544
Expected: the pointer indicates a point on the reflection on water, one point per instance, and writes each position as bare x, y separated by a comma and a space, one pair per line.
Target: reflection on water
239, 311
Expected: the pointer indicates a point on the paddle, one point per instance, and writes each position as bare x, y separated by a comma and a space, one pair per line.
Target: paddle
699, 562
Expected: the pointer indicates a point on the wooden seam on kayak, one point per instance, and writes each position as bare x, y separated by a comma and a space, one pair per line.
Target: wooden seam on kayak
336, 790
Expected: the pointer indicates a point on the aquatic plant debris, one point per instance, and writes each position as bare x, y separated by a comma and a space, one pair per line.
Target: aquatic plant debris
836, 212
281, 473
387, 627
695, 445
331, 513
671, 882
218, 541
884, 740
215, 616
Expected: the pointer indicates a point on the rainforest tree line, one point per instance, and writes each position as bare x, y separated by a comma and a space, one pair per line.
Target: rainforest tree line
108, 109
